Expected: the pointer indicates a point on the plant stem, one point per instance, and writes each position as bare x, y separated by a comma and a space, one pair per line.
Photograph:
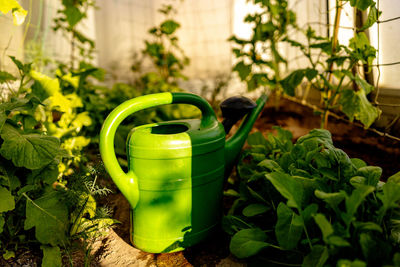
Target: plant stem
72, 56
305, 228
325, 115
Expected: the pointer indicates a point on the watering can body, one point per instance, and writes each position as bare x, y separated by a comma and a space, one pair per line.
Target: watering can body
176, 172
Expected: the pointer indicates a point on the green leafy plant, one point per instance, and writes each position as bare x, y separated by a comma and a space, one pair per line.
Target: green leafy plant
164, 52
28, 168
37, 208
88, 221
71, 14
337, 71
309, 203
59, 115
335, 68
41, 126
259, 60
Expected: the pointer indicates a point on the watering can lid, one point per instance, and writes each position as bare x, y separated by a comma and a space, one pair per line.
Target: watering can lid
175, 139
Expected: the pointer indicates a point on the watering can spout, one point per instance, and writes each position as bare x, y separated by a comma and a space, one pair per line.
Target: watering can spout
234, 144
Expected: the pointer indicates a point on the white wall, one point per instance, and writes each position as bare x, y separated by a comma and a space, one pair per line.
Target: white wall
119, 28
206, 26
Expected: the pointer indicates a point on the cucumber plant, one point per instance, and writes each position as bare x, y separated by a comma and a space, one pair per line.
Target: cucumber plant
259, 60
335, 70
36, 208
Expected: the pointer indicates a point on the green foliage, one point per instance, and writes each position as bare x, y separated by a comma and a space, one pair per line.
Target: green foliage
44, 108
270, 28
43, 129
7, 201
337, 66
51, 256
165, 54
39, 127
332, 67
32, 151
324, 208
71, 14
248, 242
48, 214
28, 200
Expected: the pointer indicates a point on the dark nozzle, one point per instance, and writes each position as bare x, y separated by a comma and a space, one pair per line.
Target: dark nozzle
234, 108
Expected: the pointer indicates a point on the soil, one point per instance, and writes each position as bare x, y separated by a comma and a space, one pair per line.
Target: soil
116, 250
355, 141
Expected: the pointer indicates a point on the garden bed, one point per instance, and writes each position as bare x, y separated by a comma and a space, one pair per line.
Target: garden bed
115, 249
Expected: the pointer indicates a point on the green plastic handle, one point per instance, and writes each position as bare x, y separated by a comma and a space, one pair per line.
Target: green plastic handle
127, 182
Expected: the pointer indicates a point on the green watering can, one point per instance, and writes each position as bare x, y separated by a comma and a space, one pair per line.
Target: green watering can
176, 169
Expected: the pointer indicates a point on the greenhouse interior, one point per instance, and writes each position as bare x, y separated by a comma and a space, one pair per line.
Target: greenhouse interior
296, 102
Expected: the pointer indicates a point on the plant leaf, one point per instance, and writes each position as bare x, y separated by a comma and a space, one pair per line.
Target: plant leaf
5, 77
324, 225
310, 73
332, 199
243, 70
357, 197
73, 15
356, 105
85, 206
317, 257
349, 263
49, 85
361, 4
51, 256
169, 26
389, 196
32, 151
232, 224
367, 226
49, 215
371, 173
364, 85
288, 187
289, 227
7, 200
255, 209
358, 163
8, 254
248, 242
47, 174
290, 82
395, 178
2, 221
321, 136
373, 16
270, 165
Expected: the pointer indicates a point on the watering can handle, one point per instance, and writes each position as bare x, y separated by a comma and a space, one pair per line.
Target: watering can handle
127, 182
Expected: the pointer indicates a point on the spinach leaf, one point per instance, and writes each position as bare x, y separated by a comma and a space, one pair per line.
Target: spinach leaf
248, 242
288, 187
289, 227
